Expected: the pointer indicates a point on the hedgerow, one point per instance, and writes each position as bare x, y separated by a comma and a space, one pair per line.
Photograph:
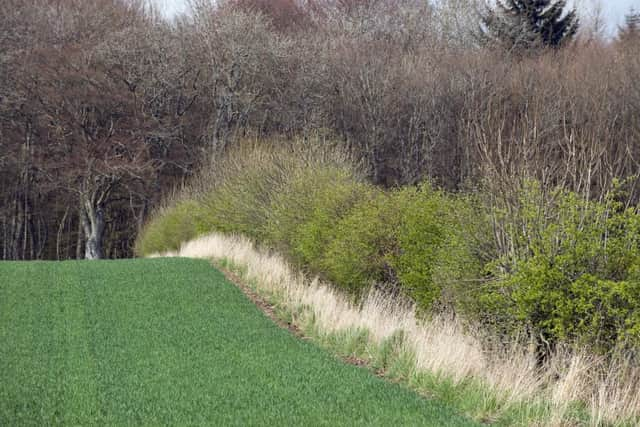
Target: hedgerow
550, 263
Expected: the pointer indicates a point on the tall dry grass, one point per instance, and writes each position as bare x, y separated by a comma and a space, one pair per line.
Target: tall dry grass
610, 389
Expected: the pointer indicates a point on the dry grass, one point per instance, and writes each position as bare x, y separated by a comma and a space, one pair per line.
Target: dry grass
609, 389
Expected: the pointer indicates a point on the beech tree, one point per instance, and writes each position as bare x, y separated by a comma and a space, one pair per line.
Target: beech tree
89, 121
95, 135
98, 111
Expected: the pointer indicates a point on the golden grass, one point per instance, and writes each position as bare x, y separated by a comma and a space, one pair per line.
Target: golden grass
610, 389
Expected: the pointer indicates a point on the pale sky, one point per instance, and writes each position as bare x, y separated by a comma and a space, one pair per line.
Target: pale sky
613, 10
171, 8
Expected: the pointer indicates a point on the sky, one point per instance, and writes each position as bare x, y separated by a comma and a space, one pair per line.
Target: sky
171, 8
613, 10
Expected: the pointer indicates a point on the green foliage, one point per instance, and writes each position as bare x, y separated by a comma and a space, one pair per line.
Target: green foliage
431, 255
241, 204
414, 239
169, 228
436, 247
421, 235
359, 255
303, 215
329, 222
572, 271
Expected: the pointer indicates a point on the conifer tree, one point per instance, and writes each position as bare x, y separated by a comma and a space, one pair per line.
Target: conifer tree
522, 25
631, 29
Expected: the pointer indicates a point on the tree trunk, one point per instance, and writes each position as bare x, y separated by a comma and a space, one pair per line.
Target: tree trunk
79, 236
92, 218
59, 235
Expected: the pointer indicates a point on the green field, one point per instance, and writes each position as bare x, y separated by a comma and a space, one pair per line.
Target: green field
171, 342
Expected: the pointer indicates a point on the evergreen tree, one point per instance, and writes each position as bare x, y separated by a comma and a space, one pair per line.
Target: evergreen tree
529, 24
631, 28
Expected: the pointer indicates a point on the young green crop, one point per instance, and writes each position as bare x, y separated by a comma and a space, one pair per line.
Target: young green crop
171, 342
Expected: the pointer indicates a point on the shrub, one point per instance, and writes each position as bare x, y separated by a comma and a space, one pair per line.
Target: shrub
562, 267
359, 255
241, 203
435, 257
241, 188
411, 240
304, 215
572, 274
262, 190
169, 228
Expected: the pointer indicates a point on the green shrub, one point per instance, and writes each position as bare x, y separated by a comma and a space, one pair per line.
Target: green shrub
410, 240
359, 254
435, 256
304, 214
241, 203
244, 187
261, 190
169, 228
572, 274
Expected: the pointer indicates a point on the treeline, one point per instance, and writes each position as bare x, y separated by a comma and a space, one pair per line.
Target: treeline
104, 105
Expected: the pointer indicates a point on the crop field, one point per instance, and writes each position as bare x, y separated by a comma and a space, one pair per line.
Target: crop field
171, 342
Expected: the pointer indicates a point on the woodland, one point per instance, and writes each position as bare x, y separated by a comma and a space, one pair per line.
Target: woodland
105, 106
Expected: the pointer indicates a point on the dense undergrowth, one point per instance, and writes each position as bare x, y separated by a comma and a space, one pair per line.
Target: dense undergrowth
542, 262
